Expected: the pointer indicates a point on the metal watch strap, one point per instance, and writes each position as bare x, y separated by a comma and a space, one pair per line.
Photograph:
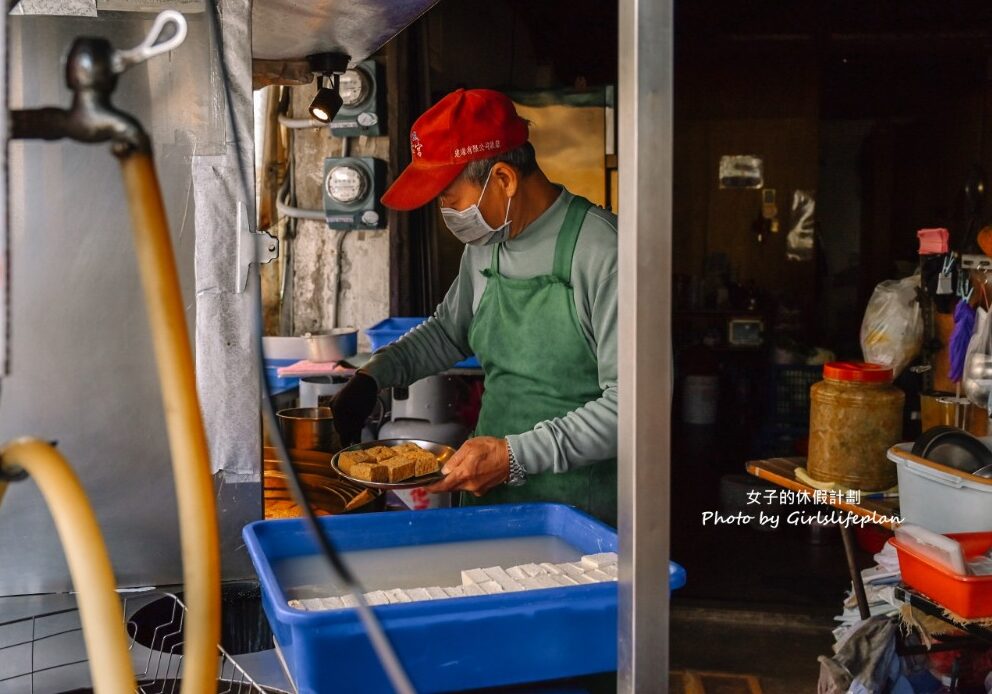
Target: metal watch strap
517, 474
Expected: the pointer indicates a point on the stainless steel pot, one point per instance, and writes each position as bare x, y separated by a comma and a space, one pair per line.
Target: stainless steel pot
309, 429
332, 345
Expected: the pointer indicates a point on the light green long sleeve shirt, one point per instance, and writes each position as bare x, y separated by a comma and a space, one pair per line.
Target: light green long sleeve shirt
581, 437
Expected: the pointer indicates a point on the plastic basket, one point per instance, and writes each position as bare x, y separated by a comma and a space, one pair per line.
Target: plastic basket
789, 393
390, 330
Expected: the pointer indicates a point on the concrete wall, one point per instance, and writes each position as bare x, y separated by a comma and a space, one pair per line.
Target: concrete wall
364, 291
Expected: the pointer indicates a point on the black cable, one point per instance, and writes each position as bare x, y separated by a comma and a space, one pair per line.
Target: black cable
380, 643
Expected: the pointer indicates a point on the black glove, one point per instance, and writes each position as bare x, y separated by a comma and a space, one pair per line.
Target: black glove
352, 405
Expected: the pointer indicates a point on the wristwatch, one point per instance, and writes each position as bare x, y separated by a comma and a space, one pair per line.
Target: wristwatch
517, 474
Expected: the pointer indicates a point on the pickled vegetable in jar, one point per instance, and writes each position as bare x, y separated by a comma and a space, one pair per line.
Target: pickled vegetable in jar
855, 417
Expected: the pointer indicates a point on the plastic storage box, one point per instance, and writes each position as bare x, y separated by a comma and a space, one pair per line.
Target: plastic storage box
967, 596
941, 498
454, 644
392, 329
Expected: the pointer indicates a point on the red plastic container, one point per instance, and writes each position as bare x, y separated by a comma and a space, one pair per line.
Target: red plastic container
966, 596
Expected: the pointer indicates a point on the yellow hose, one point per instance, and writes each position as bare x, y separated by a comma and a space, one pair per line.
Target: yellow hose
99, 607
187, 440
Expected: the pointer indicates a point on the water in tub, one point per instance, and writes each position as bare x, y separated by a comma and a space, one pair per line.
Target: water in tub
418, 566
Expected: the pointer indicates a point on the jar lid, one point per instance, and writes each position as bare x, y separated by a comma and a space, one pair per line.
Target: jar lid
857, 372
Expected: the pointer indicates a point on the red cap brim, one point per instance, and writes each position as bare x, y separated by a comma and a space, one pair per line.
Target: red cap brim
417, 186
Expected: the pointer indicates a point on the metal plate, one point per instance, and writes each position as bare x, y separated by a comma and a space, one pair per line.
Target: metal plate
442, 452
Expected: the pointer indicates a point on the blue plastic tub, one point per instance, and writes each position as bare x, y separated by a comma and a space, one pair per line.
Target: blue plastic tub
454, 644
276, 384
392, 329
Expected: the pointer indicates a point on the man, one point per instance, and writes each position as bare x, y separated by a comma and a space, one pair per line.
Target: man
535, 299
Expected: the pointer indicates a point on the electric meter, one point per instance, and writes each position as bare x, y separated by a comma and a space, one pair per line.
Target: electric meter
346, 183
352, 188
363, 92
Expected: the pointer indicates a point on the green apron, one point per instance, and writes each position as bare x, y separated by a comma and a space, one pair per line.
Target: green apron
539, 366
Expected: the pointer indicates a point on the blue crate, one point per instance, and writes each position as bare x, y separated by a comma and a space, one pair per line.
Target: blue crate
390, 330
446, 645
276, 384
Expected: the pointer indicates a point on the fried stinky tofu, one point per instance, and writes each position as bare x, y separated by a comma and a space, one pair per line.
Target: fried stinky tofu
370, 472
380, 453
347, 459
400, 468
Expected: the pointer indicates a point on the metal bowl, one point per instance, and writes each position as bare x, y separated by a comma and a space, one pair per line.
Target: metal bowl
309, 429
442, 452
332, 345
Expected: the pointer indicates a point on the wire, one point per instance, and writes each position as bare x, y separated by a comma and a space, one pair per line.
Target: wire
380, 643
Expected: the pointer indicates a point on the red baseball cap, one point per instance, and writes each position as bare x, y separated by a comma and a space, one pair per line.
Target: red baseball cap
464, 126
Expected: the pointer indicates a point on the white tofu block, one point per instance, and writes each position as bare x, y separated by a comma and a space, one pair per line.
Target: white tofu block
416, 594
565, 580
550, 568
437, 593
611, 571
598, 576
377, 597
508, 584
312, 604
492, 587
474, 576
296, 604
572, 569
457, 591
516, 573
546, 581
397, 595
582, 578
532, 569
331, 603
598, 561
472, 589
349, 600
530, 583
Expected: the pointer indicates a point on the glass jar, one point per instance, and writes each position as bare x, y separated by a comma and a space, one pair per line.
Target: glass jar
855, 417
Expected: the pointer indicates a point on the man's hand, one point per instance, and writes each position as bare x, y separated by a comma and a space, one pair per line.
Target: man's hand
478, 466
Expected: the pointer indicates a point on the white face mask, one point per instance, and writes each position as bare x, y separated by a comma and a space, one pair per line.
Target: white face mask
469, 226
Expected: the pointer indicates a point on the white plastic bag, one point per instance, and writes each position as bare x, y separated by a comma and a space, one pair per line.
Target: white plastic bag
892, 330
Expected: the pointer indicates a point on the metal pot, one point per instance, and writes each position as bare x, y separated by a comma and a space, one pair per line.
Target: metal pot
309, 429
332, 345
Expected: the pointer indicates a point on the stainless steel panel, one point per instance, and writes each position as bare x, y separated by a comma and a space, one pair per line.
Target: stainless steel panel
83, 369
285, 29
645, 378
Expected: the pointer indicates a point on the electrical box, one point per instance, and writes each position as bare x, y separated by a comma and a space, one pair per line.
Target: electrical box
363, 94
352, 188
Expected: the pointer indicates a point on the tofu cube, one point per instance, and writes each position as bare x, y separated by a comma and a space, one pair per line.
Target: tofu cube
370, 472
418, 594
380, 453
406, 448
529, 583
474, 576
296, 604
349, 600
399, 468
550, 568
598, 561
426, 462
331, 603
598, 575
491, 587
532, 569
457, 591
472, 590
546, 581
348, 459
516, 573
377, 597
397, 595
572, 569
437, 593
497, 574
611, 571
312, 604
564, 580
582, 578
